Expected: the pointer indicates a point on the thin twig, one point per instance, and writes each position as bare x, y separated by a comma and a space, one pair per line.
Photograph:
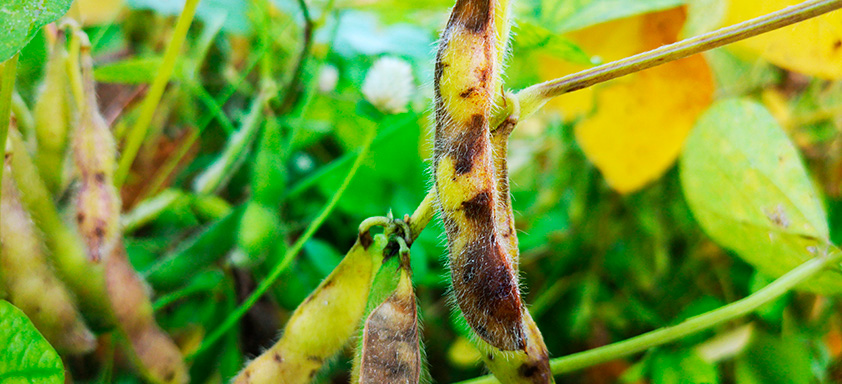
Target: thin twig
293, 88
534, 97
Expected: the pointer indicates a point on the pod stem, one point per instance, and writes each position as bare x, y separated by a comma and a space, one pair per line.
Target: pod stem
534, 97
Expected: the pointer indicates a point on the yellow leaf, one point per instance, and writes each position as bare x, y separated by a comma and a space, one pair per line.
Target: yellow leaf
812, 47
637, 124
96, 12
606, 42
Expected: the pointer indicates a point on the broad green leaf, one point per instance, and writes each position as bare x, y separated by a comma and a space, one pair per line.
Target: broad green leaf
25, 356
746, 185
21, 19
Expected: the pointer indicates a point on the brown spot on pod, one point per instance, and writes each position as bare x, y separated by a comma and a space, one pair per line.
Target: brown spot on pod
391, 353
487, 293
365, 239
471, 144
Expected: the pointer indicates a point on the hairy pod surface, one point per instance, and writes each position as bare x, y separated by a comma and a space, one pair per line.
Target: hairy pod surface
484, 277
528, 366
155, 355
323, 323
389, 349
30, 281
66, 247
94, 153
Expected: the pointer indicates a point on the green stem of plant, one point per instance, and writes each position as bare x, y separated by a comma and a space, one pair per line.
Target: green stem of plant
159, 84
423, 214
534, 97
289, 255
7, 85
692, 325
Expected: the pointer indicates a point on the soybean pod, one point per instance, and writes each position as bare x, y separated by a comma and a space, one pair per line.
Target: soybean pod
97, 205
30, 281
324, 322
389, 349
485, 281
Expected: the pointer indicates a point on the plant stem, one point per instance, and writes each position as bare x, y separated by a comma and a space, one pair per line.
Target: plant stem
293, 88
7, 85
289, 255
692, 325
150, 103
534, 97
423, 214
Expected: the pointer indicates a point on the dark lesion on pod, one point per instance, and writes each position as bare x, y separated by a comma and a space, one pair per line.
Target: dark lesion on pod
488, 295
473, 15
391, 353
471, 145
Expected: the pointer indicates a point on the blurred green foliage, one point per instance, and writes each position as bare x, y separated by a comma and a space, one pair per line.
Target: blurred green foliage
597, 266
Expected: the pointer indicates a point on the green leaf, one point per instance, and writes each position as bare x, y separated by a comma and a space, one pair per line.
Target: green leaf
130, 71
684, 368
21, 20
771, 359
195, 254
531, 35
577, 14
746, 185
25, 356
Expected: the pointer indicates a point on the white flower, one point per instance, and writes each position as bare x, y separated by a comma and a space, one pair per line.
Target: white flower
328, 77
389, 85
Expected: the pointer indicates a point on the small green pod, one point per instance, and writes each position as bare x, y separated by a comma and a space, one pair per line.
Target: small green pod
52, 115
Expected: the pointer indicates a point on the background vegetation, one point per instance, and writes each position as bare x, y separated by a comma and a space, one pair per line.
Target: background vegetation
610, 248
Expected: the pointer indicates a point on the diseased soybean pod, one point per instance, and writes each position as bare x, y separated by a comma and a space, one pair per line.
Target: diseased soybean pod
324, 322
388, 349
482, 269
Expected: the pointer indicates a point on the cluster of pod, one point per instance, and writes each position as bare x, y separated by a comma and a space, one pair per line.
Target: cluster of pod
70, 273
371, 289
371, 285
